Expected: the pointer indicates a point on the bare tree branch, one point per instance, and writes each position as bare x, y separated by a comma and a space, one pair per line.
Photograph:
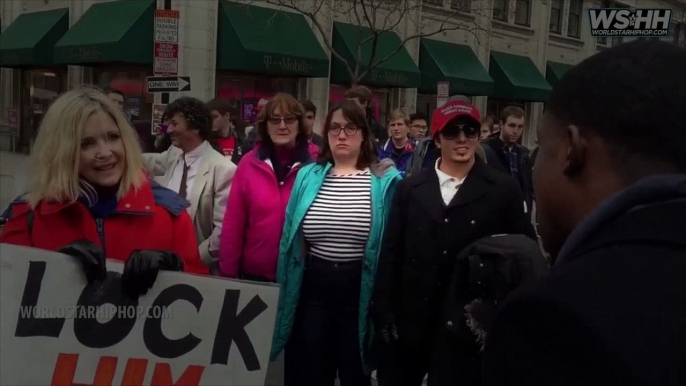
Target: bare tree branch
376, 17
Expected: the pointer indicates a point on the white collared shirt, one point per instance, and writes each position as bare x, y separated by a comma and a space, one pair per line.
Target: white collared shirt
449, 185
193, 162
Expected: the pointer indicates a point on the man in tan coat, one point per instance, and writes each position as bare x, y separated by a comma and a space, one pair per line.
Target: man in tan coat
192, 168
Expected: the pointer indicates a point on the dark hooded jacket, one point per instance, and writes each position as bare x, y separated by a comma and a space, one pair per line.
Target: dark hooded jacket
613, 309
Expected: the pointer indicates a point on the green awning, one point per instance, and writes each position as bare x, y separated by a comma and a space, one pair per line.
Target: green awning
398, 71
454, 63
29, 40
555, 71
116, 31
262, 40
517, 78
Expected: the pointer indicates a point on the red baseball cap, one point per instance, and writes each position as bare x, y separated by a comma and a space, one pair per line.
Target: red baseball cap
451, 110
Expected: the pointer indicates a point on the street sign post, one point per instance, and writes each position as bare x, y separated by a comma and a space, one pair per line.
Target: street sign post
166, 42
443, 90
168, 83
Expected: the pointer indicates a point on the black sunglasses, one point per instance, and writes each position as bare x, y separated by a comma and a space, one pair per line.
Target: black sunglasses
453, 131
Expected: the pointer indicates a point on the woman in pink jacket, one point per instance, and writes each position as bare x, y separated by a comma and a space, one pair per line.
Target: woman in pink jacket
261, 188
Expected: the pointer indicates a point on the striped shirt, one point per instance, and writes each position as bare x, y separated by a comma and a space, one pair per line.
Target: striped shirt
336, 226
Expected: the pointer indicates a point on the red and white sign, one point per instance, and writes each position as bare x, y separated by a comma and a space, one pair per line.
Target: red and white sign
166, 42
166, 59
166, 25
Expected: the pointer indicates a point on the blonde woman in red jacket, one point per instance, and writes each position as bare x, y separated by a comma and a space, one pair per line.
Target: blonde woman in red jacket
88, 196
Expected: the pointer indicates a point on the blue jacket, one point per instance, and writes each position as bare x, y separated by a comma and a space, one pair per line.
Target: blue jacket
291, 266
402, 161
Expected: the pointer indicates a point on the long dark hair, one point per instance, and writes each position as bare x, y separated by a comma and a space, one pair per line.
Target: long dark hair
355, 115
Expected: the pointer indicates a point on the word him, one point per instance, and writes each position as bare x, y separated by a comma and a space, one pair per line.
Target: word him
134, 372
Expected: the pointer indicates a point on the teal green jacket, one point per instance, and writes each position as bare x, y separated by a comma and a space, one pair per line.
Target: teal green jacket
292, 251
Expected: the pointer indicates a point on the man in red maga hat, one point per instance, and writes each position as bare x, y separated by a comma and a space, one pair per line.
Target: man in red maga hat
435, 214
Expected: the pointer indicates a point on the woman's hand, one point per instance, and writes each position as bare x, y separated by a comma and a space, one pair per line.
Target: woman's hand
90, 256
141, 268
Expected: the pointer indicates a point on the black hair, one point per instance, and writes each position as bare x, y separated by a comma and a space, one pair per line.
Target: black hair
110, 90
222, 106
631, 96
194, 111
419, 115
309, 106
355, 115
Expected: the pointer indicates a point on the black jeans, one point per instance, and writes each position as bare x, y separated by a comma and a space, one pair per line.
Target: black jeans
325, 337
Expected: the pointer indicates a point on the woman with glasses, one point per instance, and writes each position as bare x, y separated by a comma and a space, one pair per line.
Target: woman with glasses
328, 255
255, 212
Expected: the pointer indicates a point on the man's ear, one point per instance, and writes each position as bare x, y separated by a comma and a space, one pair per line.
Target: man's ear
437, 142
576, 152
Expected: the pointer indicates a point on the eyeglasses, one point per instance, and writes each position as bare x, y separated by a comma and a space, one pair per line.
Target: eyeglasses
277, 121
421, 127
349, 129
453, 131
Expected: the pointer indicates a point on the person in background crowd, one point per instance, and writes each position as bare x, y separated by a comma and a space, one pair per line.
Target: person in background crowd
256, 210
398, 148
250, 133
425, 152
161, 140
505, 154
486, 127
310, 114
418, 127
225, 139
435, 214
89, 197
362, 96
610, 179
336, 220
197, 172
116, 96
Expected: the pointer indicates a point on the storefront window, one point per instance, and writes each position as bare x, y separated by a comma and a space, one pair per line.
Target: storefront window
379, 104
38, 89
244, 92
137, 101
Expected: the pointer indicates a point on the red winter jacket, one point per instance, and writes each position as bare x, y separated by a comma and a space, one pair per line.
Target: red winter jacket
153, 217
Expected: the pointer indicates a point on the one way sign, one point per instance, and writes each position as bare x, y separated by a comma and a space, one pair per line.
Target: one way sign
169, 83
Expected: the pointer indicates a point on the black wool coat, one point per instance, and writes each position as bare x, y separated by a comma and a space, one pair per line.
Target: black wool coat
424, 237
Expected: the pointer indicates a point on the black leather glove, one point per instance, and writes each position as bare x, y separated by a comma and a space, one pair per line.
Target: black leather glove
90, 256
141, 268
388, 333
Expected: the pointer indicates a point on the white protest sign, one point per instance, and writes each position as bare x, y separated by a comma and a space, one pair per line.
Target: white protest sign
187, 330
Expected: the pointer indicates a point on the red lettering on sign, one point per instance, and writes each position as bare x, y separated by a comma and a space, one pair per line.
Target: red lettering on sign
134, 373
190, 377
66, 368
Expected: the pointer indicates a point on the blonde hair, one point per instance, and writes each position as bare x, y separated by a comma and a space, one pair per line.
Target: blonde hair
55, 158
399, 114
